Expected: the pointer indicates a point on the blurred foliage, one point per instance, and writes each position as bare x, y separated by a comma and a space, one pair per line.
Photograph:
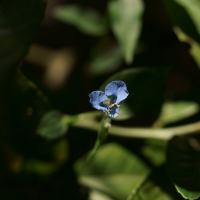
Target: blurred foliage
123, 171
175, 111
86, 20
183, 158
46, 132
51, 125
18, 27
126, 25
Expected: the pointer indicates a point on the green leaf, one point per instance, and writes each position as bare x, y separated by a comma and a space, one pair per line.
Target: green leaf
150, 191
187, 194
186, 17
96, 195
113, 170
106, 62
154, 151
185, 14
144, 86
19, 23
126, 21
176, 111
86, 20
52, 125
154, 187
183, 158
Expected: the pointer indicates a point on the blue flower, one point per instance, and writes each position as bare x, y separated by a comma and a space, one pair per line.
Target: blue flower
110, 100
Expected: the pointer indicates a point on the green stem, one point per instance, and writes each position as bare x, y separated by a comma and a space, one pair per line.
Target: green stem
102, 135
87, 121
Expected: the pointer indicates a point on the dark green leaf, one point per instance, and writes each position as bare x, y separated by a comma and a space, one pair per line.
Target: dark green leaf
113, 170
144, 86
87, 20
183, 163
19, 21
195, 46
185, 14
156, 187
52, 125
126, 21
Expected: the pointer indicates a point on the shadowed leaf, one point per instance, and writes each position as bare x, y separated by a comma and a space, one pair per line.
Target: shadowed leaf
183, 164
51, 125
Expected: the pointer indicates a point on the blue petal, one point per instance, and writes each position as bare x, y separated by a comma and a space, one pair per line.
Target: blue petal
96, 99
114, 112
118, 90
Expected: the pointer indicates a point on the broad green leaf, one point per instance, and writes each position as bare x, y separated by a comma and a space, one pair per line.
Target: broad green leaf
150, 191
183, 158
106, 62
126, 22
154, 151
52, 126
19, 23
155, 187
144, 86
86, 20
176, 111
185, 14
113, 170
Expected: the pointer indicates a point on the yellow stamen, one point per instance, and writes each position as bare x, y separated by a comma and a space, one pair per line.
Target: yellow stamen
110, 106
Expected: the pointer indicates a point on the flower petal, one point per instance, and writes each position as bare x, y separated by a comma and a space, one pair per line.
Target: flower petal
96, 99
114, 112
117, 89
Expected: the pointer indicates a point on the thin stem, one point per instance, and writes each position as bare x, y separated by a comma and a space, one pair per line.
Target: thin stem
156, 133
102, 135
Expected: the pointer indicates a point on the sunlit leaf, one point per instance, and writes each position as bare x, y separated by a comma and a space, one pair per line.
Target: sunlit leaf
96, 195
51, 125
144, 86
183, 158
85, 19
19, 23
113, 170
126, 21
175, 111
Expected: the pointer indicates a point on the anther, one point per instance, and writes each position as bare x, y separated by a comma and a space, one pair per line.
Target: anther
110, 106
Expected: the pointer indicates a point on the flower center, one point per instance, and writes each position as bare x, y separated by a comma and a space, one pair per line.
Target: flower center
110, 105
